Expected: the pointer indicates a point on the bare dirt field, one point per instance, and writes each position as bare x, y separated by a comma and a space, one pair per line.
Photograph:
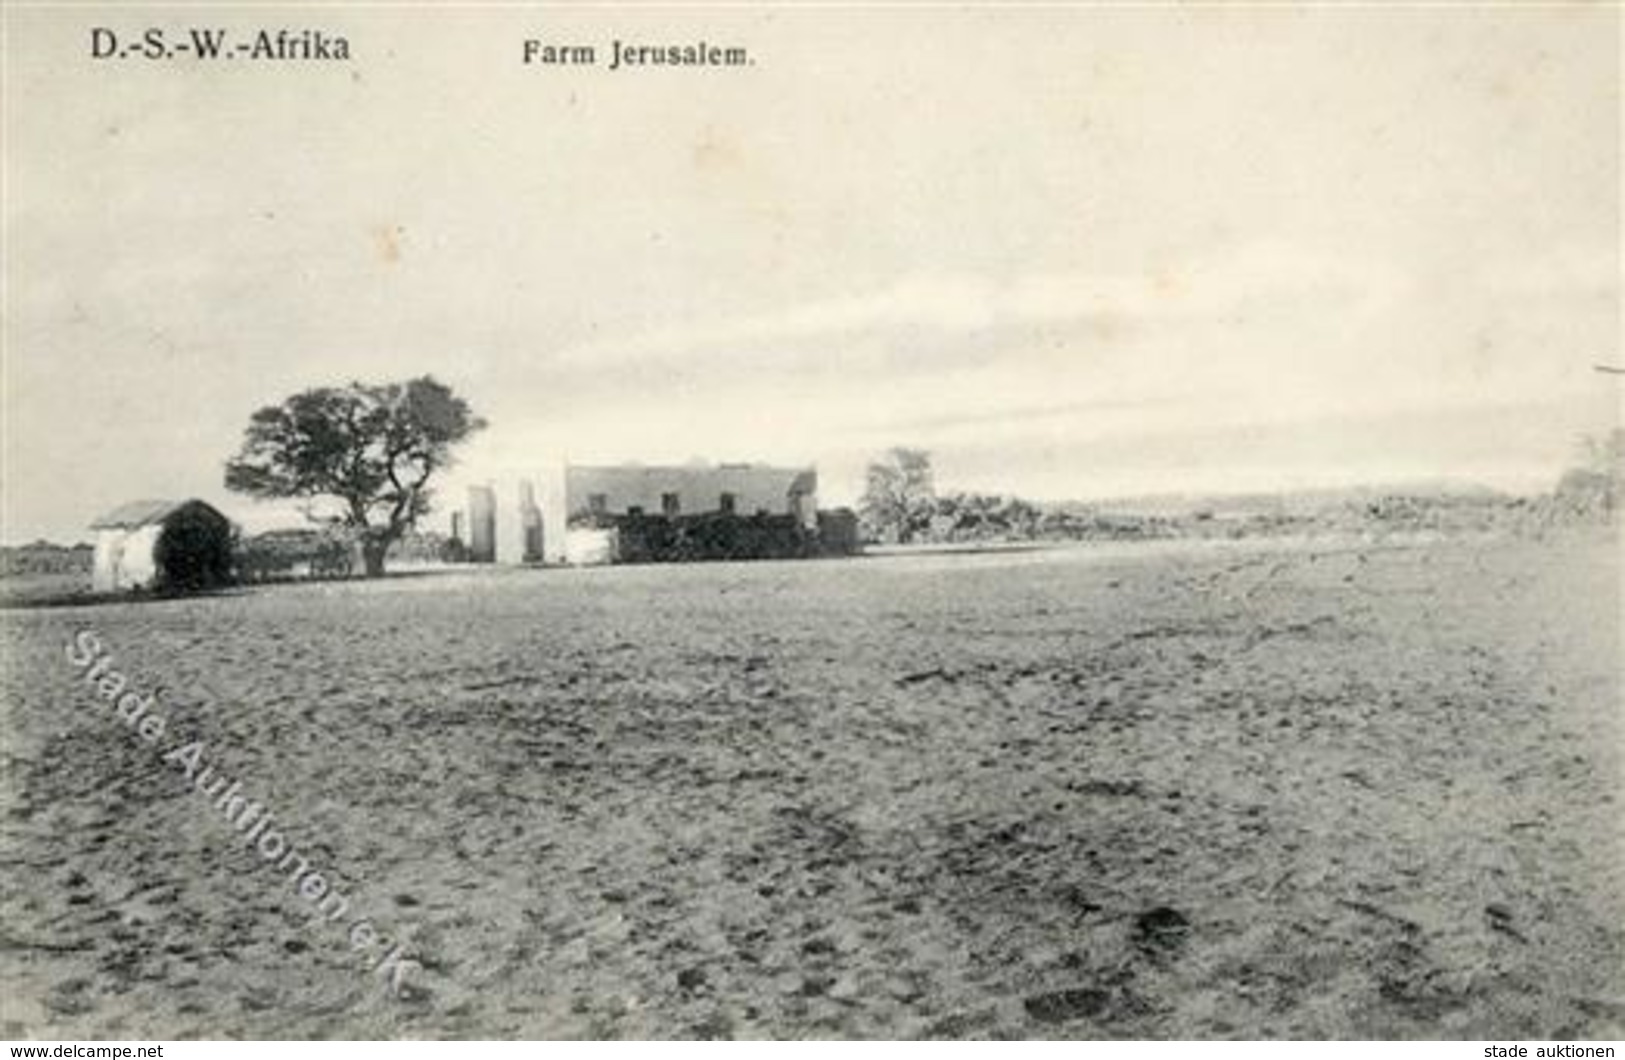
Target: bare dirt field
1283, 790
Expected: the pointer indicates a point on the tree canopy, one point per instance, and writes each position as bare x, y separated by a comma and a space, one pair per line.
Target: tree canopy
899, 496
371, 448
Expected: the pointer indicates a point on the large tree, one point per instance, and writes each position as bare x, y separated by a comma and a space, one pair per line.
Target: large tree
369, 451
899, 496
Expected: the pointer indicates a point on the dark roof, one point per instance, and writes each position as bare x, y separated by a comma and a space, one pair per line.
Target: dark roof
136, 514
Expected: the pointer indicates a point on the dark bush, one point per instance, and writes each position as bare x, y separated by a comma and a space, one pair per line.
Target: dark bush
194, 550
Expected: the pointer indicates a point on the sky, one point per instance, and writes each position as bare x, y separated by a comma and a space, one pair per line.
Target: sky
1074, 252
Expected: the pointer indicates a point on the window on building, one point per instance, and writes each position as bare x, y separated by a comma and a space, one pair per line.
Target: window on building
635, 512
727, 504
669, 504
598, 503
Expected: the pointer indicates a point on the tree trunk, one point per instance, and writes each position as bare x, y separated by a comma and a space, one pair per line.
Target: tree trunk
372, 555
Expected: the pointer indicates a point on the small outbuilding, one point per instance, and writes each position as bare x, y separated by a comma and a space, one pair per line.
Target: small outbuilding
177, 546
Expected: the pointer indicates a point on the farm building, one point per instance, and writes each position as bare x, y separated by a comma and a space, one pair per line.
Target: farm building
698, 489
162, 545
501, 532
638, 514
646, 513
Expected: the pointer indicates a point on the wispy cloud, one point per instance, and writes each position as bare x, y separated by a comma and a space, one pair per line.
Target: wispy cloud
953, 306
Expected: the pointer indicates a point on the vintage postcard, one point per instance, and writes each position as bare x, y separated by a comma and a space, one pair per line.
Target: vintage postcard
862, 521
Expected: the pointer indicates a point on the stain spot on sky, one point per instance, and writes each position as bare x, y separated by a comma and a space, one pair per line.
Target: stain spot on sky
715, 151
1166, 283
387, 241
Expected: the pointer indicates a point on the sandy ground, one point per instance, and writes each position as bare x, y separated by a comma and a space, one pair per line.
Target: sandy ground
1279, 791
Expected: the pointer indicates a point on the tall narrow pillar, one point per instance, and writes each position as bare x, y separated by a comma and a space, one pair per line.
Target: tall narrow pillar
511, 521
481, 524
555, 511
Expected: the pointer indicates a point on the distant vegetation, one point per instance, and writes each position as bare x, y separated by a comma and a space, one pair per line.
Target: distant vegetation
1593, 486
902, 506
330, 552
42, 557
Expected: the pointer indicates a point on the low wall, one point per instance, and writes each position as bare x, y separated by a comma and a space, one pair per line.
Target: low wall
714, 536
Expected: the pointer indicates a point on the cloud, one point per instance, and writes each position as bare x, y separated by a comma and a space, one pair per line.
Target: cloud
937, 306
1020, 414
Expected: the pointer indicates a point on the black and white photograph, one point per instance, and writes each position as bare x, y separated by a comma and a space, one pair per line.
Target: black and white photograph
856, 521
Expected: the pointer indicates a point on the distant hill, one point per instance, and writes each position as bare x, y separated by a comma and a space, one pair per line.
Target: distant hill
1427, 507
1283, 502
